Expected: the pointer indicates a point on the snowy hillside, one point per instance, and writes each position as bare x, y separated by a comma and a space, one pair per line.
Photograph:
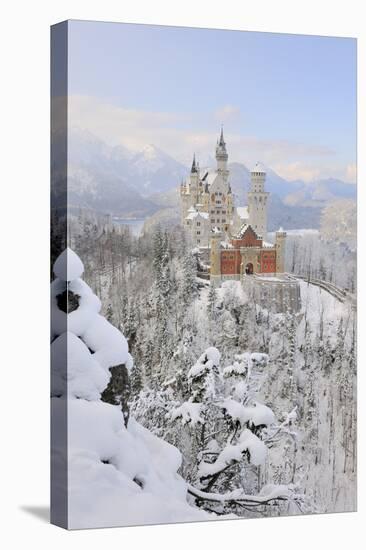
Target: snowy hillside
287, 378
118, 472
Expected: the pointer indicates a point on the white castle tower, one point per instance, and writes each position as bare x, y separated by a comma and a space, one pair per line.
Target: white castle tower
194, 181
222, 156
280, 250
257, 201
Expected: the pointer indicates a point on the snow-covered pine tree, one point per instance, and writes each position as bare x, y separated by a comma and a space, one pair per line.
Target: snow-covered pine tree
109, 314
229, 430
136, 381
211, 303
113, 474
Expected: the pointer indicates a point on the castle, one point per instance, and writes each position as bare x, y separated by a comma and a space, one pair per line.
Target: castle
234, 238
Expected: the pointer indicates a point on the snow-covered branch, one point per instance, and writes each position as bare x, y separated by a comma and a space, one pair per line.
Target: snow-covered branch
267, 495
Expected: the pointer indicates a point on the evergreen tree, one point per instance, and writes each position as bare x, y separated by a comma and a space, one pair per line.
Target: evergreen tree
136, 382
109, 314
211, 303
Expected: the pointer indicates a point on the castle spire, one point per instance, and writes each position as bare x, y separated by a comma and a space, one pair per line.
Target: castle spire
221, 152
222, 141
194, 166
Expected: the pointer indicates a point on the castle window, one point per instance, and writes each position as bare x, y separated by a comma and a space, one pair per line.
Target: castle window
198, 232
198, 224
212, 220
198, 241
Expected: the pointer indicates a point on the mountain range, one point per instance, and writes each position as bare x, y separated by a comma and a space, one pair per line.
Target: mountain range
130, 184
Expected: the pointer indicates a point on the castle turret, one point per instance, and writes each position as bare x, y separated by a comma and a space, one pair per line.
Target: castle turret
257, 201
221, 154
280, 250
194, 180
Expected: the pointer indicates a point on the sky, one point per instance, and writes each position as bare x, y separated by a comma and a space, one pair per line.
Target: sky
286, 100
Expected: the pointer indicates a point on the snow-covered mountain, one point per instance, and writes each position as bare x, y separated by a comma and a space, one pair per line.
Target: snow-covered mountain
320, 192
116, 180
155, 171
138, 184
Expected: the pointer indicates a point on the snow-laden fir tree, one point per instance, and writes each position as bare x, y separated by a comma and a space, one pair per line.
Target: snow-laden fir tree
118, 473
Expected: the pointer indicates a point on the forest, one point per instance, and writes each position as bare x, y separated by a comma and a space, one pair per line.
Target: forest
261, 406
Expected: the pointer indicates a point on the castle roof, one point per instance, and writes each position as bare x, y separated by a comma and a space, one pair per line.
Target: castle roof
194, 166
210, 177
246, 227
258, 168
195, 214
243, 230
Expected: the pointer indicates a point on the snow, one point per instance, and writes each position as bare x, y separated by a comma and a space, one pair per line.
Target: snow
271, 491
235, 369
210, 358
234, 453
197, 214
117, 475
232, 290
242, 212
109, 345
82, 376
255, 415
78, 320
242, 363
261, 358
267, 493
188, 412
240, 390
68, 266
262, 415
257, 449
120, 476
213, 355
242, 230
259, 167
316, 302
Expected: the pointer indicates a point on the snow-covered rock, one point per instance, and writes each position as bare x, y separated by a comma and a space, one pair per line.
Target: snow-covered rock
120, 476
116, 475
84, 377
68, 266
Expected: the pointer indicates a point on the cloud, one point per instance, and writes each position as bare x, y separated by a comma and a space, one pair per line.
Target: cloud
351, 173
227, 113
310, 172
297, 171
181, 134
